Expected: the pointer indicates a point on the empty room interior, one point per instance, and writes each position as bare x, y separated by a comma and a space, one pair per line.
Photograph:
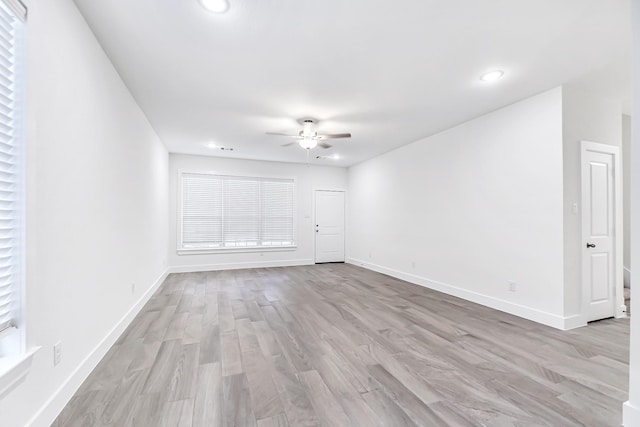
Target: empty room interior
335, 213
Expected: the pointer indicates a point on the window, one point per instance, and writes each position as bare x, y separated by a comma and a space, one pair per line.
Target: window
234, 212
12, 16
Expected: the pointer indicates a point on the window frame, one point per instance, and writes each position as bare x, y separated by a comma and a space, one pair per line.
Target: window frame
13, 339
15, 359
181, 250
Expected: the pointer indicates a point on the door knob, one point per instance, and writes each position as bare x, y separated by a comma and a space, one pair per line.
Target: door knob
590, 245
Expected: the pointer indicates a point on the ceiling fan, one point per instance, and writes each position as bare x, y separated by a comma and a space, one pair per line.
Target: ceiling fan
308, 138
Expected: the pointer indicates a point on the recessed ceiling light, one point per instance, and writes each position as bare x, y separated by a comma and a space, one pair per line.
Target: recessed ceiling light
492, 76
214, 146
334, 157
215, 6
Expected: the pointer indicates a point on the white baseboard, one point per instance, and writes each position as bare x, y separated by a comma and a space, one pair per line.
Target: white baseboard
627, 277
239, 265
52, 408
573, 322
549, 319
630, 415
621, 312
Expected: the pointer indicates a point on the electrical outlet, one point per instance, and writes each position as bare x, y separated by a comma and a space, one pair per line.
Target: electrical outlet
133, 288
512, 286
369, 254
413, 264
57, 353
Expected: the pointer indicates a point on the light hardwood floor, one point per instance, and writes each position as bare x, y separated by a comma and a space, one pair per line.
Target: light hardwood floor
337, 345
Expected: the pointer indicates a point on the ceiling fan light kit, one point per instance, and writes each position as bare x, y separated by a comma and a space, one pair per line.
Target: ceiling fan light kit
308, 137
308, 143
215, 6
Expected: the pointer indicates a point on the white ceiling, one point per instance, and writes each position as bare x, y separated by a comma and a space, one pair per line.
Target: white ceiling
389, 72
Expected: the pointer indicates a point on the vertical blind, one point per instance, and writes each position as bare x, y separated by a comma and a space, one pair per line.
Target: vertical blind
220, 211
12, 14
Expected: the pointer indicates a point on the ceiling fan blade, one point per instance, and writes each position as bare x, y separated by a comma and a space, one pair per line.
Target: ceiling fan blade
324, 145
334, 136
289, 144
282, 134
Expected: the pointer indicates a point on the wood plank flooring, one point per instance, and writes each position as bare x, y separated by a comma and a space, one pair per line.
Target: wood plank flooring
337, 345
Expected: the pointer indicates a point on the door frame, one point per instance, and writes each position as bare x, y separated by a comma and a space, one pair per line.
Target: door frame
619, 306
313, 207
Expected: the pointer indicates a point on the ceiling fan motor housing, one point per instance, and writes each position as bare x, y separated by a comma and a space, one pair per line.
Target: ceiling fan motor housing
307, 129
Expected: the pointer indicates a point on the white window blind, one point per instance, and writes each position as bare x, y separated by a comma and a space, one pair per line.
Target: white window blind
220, 211
12, 15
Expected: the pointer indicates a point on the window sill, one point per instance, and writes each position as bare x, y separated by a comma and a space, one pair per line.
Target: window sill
14, 369
197, 251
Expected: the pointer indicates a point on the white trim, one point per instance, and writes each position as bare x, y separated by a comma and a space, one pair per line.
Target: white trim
619, 306
573, 322
626, 277
14, 369
233, 174
52, 407
543, 317
621, 311
239, 265
630, 415
334, 189
236, 250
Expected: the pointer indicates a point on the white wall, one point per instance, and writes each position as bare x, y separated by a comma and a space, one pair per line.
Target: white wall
474, 207
589, 118
626, 182
97, 207
631, 417
307, 178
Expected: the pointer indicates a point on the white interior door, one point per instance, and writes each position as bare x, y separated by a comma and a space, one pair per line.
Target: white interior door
598, 231
329, 226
